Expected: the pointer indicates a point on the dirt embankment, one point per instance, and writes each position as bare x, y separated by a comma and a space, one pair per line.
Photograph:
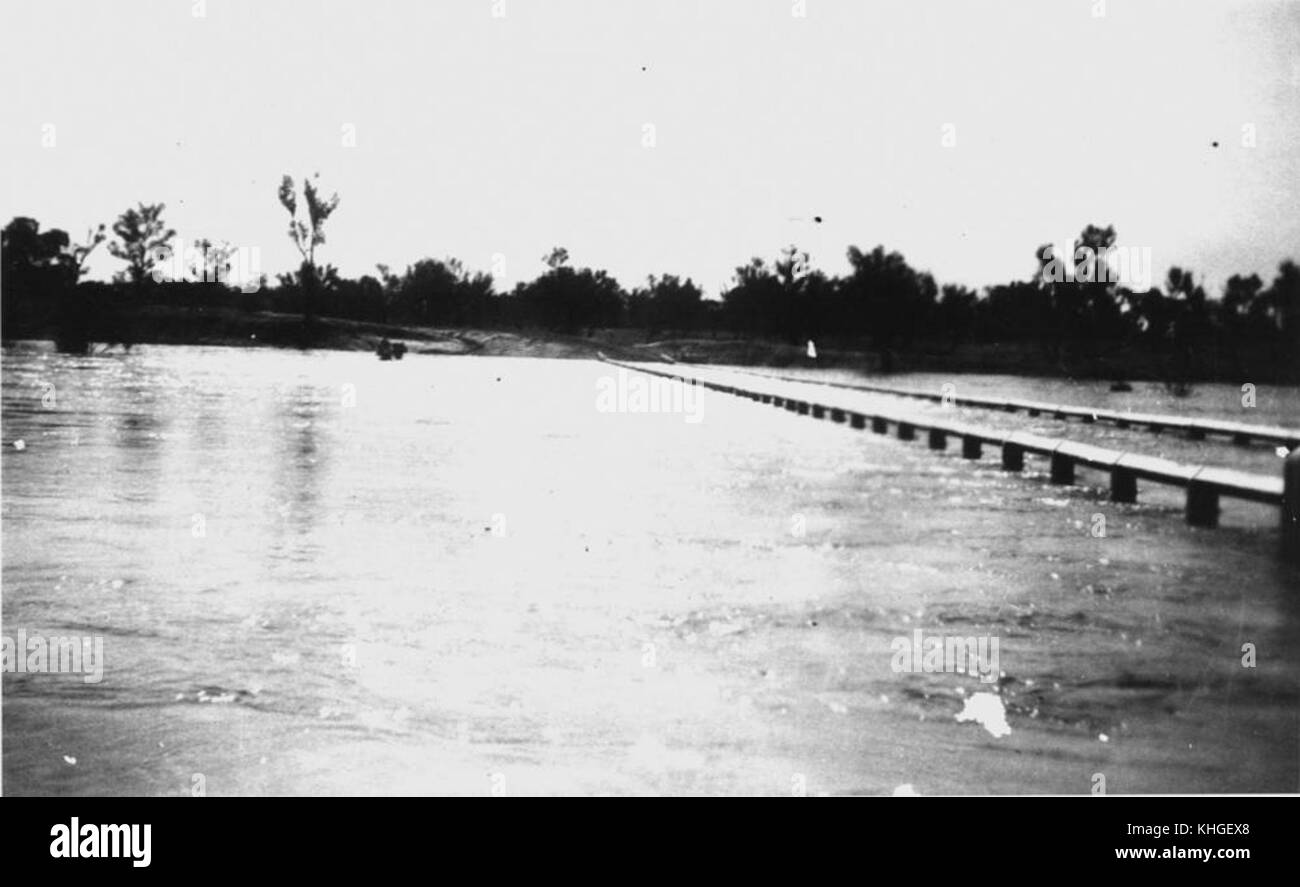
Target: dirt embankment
206, 326
161, 325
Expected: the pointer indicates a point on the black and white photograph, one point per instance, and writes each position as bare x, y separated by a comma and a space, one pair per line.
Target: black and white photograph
654, 398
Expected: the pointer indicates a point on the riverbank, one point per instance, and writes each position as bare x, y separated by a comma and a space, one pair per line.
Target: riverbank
167, 325
162, 325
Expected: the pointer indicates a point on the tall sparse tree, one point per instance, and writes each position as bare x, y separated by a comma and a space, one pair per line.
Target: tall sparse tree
309, 233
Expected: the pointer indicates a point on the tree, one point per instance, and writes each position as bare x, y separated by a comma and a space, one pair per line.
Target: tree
888, 299
142, 239
1283, 298
568, 299
80, 252
956, 312
213, 262
557, 258
752, 302
669, 303
783, 300
1096, 305
309, 233
35, 274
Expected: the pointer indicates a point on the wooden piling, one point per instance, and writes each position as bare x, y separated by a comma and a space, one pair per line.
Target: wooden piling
1013, 457
1062, 469
1123, 485
1202, 505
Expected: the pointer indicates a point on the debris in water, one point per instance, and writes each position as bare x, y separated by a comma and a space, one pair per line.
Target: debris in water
1103, 737
20, 445
906, 791
70, 760
986, 709
217, 698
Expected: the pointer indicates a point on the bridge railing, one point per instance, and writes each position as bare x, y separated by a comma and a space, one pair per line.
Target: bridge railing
1241, 433
1205, 485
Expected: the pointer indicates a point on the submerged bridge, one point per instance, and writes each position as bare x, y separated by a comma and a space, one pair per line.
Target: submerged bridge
1241, 433
1204, 485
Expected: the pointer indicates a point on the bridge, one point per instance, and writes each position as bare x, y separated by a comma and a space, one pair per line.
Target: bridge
1204, 485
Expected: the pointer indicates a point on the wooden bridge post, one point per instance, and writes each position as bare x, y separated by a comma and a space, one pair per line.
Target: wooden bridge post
938, 439
1013, 457
971, 447
906, 431
1202, 505
1062, 469
1123, 485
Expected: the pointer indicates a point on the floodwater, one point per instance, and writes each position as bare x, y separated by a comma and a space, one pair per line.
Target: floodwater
323, 574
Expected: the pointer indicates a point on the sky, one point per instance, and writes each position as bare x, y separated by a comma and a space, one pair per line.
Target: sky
667, 137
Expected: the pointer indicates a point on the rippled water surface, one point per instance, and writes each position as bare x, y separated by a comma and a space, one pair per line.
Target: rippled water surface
319, 573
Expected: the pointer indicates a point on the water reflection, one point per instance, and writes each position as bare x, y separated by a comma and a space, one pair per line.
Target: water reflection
302, 453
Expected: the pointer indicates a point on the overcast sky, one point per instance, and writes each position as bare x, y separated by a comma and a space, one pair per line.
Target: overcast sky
479, 135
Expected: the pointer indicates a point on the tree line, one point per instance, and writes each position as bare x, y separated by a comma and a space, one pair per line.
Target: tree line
882, 304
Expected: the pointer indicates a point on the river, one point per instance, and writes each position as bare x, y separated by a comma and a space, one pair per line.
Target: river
317, 573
